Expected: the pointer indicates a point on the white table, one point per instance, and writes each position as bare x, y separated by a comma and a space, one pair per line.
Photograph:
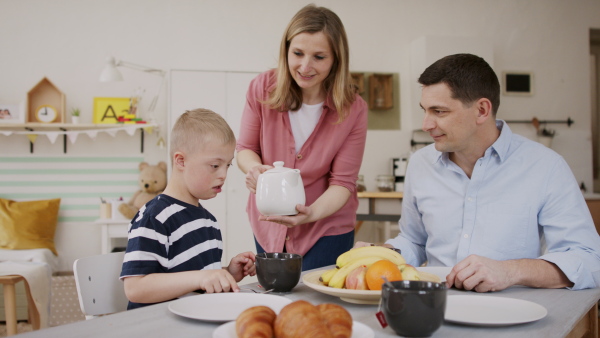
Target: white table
570, 313
111, 230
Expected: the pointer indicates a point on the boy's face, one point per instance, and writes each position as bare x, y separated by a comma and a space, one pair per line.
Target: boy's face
205, 169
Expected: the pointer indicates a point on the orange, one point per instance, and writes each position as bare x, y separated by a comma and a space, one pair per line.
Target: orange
380, 269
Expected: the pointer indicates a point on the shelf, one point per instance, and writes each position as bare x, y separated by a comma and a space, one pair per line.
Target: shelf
381, 87
359, 81
52, 130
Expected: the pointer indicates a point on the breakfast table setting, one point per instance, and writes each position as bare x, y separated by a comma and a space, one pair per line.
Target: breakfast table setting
514, 312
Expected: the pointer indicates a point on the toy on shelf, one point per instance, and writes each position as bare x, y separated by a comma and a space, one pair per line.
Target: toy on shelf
153, 180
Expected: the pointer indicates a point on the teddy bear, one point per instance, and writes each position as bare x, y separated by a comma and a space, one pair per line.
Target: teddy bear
153, 180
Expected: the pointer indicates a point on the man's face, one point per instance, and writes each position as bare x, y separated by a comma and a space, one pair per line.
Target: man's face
451, 124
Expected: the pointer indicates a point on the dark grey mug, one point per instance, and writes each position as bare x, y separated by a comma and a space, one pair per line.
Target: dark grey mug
414, 308
278, 271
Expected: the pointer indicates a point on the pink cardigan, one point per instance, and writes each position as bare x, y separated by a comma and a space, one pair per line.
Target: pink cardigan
332, 155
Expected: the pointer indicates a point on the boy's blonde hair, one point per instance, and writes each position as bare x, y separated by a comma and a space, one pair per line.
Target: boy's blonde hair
196, 127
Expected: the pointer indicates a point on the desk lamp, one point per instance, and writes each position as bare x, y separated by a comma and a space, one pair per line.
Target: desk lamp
112, 74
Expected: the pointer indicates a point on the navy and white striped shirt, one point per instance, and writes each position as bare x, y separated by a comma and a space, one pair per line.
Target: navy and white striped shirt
168, 235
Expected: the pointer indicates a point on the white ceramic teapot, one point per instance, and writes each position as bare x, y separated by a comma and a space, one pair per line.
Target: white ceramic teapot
279, 190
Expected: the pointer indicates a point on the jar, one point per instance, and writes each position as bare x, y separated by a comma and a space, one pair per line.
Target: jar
385, 183
360, 184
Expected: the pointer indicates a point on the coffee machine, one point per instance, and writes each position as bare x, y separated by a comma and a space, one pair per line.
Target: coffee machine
399, 171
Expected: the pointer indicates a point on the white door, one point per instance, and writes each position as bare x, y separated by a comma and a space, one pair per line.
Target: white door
225, 94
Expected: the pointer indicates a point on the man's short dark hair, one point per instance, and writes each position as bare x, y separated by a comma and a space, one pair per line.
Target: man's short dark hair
468, 76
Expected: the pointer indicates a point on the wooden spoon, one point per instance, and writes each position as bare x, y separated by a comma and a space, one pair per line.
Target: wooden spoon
536, 124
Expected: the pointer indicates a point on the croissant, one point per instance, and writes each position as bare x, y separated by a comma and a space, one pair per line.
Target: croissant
338, 320
300, 319
256, 321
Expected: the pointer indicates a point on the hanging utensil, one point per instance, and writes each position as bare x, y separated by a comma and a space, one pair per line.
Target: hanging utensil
536, 124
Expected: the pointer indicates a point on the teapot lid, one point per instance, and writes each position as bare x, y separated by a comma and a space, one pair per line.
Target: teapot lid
279, 168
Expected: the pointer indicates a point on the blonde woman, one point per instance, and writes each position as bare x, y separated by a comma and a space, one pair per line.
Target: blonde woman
307, 114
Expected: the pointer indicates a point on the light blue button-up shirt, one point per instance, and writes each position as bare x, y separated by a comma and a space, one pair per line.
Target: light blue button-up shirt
521, 195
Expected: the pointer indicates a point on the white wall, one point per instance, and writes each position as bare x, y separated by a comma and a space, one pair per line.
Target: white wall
68, 40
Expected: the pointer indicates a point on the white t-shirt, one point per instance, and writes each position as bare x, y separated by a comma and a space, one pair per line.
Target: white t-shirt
304, 121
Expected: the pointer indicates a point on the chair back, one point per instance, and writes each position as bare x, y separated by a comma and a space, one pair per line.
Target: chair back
98, 286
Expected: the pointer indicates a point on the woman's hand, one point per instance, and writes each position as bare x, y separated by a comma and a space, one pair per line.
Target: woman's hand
252, 176
303, 216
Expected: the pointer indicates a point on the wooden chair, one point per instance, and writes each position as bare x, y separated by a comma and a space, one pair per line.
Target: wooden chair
98, 286
10, 304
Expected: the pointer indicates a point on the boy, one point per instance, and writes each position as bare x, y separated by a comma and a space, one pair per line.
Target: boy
174, 244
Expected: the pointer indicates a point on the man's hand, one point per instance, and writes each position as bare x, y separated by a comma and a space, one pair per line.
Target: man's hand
482, 274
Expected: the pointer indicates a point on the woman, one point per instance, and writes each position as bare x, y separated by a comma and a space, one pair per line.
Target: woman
307, 114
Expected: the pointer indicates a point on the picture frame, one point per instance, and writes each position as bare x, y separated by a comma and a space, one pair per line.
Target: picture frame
107, 110
517, 83
11, 113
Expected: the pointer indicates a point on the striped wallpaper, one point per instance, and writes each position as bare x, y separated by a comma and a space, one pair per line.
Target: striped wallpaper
79, 181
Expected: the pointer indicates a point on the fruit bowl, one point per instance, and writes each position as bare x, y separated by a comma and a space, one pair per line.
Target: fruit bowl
311, 279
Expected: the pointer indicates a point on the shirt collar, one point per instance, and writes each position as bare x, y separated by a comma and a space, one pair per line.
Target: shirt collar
502, 144
499, 147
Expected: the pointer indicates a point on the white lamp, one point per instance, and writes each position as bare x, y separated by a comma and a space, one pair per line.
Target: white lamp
112, 74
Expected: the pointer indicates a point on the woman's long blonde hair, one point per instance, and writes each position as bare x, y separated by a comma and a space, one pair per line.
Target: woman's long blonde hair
287, 94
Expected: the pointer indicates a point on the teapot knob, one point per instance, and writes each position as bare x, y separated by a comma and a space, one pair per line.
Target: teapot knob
278, 164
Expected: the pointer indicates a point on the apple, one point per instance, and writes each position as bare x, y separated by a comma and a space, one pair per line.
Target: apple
356, 279
409, 272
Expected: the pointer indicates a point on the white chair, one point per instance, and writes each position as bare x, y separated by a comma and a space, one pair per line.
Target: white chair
98, 286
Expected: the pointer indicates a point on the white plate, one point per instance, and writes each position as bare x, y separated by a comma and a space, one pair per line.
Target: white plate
311, 280
492, 311
223, 307
359, 330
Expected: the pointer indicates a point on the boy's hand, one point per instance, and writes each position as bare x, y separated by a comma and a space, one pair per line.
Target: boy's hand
242, 265
217, 280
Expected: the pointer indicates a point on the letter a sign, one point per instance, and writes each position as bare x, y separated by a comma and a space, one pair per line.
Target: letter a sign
107, 110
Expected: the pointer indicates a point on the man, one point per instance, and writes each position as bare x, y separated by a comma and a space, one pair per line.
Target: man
499, 208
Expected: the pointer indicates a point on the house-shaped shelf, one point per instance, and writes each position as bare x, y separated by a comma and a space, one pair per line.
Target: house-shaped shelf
45, 93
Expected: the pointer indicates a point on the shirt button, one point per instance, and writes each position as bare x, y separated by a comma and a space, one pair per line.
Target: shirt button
299, 156
469, 199
287, 238
466, 235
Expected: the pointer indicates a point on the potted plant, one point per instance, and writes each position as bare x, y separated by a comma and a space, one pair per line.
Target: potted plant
75, 115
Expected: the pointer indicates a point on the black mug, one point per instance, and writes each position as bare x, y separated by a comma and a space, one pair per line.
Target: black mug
414, 308
278, 271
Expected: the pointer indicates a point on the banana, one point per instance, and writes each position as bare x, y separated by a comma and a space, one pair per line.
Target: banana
326, 276
369, 251
429, 277
339, 278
